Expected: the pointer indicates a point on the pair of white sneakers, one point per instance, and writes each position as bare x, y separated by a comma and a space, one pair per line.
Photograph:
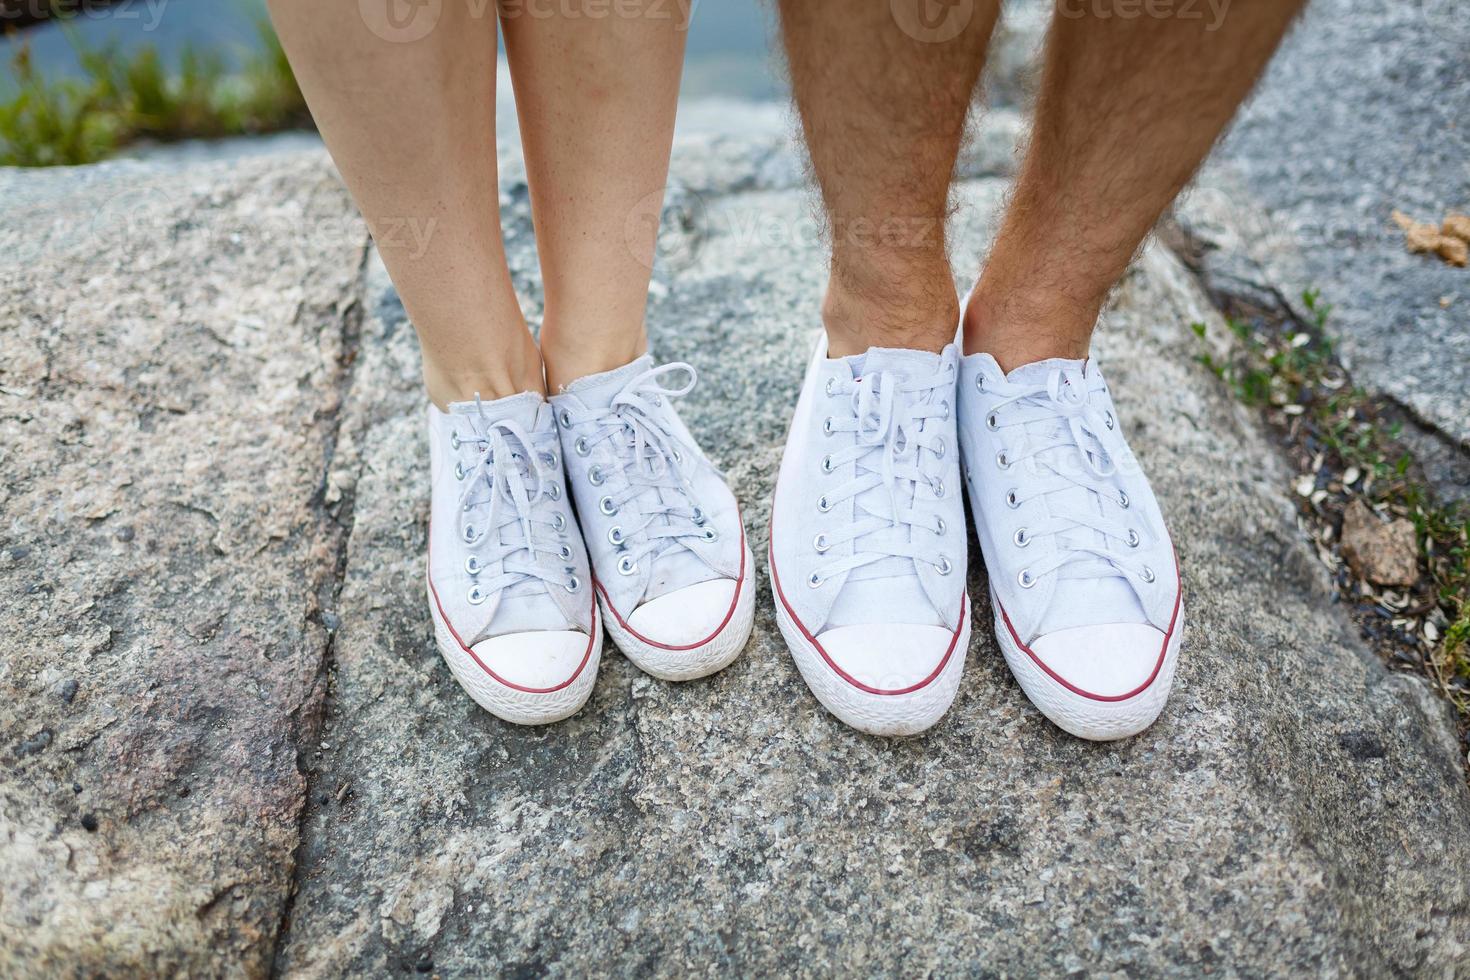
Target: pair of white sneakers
552, 520
868, 542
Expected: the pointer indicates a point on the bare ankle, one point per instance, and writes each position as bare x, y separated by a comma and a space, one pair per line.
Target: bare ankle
571, 357
901, 304
1018, 329
508, 373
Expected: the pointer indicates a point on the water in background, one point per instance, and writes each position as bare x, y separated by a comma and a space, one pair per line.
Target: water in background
728, 55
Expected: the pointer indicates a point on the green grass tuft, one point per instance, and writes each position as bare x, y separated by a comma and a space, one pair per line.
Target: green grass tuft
1291, 370
124, 98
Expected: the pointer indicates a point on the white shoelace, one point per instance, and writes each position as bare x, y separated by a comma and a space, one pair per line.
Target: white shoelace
656, 489
499, 519
1071, 450
890, 449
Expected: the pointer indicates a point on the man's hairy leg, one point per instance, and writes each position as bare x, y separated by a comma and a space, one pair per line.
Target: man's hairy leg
1129, 108
883, 98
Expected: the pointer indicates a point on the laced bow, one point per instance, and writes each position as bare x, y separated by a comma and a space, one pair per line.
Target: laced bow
656, 465
1069, 442
890, 448
498, 516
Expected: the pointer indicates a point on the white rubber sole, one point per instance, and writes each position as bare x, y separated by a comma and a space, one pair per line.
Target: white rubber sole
516, 705
1082, 716
876, 714
691, 663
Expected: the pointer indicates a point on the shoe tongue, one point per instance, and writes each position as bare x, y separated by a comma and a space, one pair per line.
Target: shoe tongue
906, 364
874, 593
598, 390
1076, 601
1037, 372
523, 409
527, 605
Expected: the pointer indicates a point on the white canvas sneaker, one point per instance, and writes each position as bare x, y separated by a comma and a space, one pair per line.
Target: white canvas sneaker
868, 538
670, 563
1083, 576
509, 590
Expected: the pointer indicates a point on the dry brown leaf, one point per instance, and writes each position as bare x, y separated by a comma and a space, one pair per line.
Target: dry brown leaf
1457, 226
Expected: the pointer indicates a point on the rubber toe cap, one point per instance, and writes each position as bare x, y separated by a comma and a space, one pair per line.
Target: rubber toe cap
537, 660
1110, 661
887, 658
685, 617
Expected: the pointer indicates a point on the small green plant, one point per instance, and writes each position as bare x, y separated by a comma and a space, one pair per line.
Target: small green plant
123, 98
1290, 369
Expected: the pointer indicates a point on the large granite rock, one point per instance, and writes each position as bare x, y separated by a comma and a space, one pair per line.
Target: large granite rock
248, 404
172, 349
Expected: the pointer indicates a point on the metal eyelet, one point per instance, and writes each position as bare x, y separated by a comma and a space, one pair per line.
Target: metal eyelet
992, 422
552, 459
594, 476
1025, 579
979, 382
627, 566
558, 523
566, 418
475, 596
1148, 575
943, 567
939, 450
823, 504
472, 565
826, 464
573, 584
710, 534
678, 458
820, 543
607, 507
1109, 420
1123, 499
565, 553
827, 426
615, 536
1021, 538
1012, 500
469, 533
553, 491
454, 442
1002, 461
815, 580
942, 526
938, 489
830, 383
945, 416
459, 471
580, 447
1132, 538
697, 517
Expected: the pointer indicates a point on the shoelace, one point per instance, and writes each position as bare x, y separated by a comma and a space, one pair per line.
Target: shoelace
498, 515
889, 447
1061, 425
655, 462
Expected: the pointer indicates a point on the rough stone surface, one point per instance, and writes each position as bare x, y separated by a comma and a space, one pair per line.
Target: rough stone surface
1297, 808
1364, 113
1383, 552
171, 350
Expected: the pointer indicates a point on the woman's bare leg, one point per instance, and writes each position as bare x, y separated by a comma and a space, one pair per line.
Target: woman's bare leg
409, 121
596, 87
